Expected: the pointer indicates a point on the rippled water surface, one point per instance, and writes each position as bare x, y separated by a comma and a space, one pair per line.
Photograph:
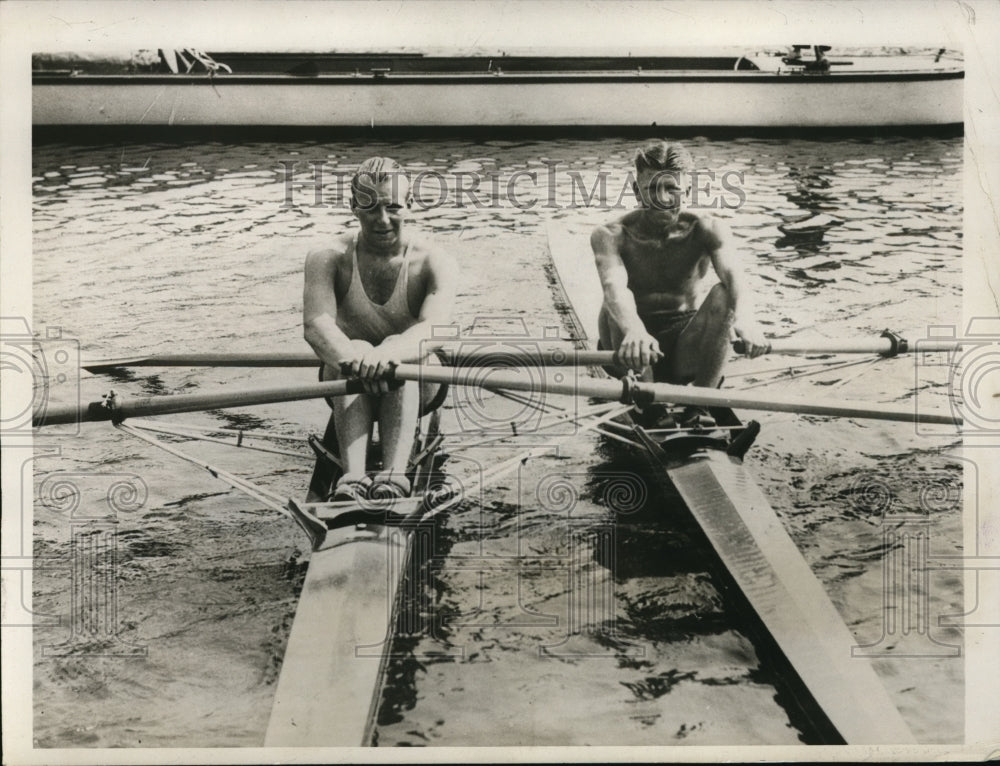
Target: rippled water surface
199, 247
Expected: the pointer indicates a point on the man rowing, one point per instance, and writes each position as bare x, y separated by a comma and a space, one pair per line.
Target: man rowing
653, 264
371, 297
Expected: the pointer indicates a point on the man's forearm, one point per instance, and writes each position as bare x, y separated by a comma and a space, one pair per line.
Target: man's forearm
327, 339
740, 299
410, 345
741, 305
620, 304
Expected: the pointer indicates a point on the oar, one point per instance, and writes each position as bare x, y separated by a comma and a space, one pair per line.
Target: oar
117, 407
887, 344
506, 352
502, 353
644, 393
247, 359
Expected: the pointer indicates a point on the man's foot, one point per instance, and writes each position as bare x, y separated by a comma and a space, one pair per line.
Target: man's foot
389, 486
351, 489
696, 419
655, 416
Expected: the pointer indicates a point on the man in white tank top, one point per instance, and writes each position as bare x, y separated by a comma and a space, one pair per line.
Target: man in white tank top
371, 297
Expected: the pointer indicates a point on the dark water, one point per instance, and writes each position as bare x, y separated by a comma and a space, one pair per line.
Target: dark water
199, 247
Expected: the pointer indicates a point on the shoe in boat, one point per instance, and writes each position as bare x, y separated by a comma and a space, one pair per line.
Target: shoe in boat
389, 486
655, 416
351, 489
696, 419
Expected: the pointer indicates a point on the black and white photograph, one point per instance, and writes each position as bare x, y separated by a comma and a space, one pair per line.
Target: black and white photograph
529, 382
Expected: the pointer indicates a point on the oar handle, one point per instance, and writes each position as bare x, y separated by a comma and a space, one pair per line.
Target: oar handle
510, 358
388, 378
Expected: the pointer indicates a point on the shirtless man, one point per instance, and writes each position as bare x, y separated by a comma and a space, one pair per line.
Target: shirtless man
653, 263
370, 299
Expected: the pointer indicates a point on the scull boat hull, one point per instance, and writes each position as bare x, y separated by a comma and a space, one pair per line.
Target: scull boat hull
328, 690
333, 670
840, 695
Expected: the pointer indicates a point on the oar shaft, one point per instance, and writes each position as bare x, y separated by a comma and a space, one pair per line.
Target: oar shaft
663, 392
501, 354
129, 407
879, 346
543, 356
487, 377
235, 359
505, 353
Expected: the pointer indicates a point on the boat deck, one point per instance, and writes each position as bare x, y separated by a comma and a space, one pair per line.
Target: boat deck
333, 669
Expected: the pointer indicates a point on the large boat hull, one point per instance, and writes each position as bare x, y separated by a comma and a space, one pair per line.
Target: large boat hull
751, 99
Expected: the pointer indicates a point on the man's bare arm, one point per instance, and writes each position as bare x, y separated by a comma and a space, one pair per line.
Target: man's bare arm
319, 311
728, 264
618, 298
638, 348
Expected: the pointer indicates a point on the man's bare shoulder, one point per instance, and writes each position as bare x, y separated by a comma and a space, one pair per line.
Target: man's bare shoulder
620, 224
330, 253
710, 230
611, 233
431, 254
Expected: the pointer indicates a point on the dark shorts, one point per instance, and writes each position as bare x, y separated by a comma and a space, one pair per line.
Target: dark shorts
666, 327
